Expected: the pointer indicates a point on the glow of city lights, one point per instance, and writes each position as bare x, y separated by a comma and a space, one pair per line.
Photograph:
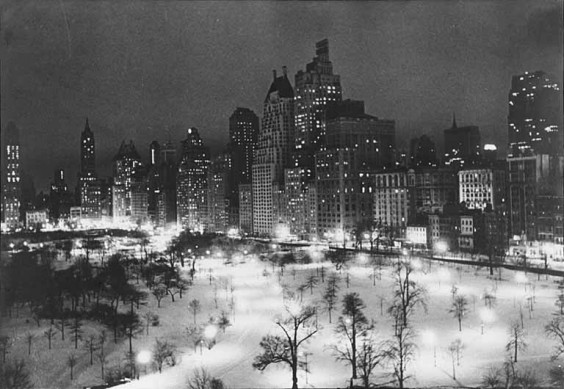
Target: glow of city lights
12, 245
144, 357
282, 232
441, 247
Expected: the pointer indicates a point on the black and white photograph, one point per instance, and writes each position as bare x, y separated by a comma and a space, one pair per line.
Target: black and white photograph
282, 194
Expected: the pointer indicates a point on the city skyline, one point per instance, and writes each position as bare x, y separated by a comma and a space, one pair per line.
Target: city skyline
92, 63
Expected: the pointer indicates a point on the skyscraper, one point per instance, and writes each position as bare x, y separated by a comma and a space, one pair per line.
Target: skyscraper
316, 88
422, 152
127, 166
162, 184
88, 185
11, 190
535, 115
273, 152
60, 198
462, 145
191, 182
218, 193
243, 135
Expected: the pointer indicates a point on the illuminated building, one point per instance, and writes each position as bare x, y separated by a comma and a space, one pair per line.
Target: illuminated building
273, 153
36, 219
348, 126
243, 135
191, 182
480, 187
246, 209
462, 145
139, 198
536, 198
535, 115
11, 191
88, 185
433, 189
391, 200
218, 193
316, 88
344, 196
127, 165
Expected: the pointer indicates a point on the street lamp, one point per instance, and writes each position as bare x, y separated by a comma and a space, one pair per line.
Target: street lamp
144, 357
209, 333
486, 316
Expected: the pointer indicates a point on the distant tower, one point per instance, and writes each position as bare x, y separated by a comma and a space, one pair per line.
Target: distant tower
191, 182
535, 115
59, 198
272, 156
422, 152
88, 185
462, 145
316, 88
12, 191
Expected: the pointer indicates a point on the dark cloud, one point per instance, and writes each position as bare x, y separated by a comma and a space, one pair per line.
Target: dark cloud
545, 27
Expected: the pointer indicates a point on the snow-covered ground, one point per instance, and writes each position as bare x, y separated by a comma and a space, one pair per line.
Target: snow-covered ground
257, 296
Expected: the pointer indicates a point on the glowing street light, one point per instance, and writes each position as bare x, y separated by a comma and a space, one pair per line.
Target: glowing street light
441, 247
486, 316
144, 357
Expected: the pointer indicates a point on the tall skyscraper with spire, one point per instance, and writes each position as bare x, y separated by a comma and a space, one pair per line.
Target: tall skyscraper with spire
273, 154
316, 88
11, 188
88, 184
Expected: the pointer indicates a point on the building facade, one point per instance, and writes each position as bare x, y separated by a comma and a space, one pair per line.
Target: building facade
273, 153
11, 177
480, 187
127, 170
462, 145
535, 115
192, 182
391, 200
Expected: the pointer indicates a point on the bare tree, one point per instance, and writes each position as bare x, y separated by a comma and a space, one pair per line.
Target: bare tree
297, 327
62, 322
195, 308
71, 362
223, 322
14, 375
163, 353
492, 378
369, 357
29, 337
408, 294
159, 292
91, 346
400, 350
455, 350
458, 309
150, 318
516, 339
311, 282
349, 328
202, 379
555, 330
330, 295
102, 358
76, 330
49, 333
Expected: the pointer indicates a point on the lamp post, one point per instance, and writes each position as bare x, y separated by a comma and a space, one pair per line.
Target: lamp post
144, 357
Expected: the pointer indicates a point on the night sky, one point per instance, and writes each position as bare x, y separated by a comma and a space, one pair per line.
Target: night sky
148, 70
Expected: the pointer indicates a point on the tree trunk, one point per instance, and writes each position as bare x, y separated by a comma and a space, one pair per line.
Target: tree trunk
353, 346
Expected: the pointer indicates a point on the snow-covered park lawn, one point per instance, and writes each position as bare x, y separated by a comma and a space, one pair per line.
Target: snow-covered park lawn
255, 290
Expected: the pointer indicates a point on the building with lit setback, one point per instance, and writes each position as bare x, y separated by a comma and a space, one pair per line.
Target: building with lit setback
535, 115
315, 88
11, 179
273, 153
127, 166
191, 182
